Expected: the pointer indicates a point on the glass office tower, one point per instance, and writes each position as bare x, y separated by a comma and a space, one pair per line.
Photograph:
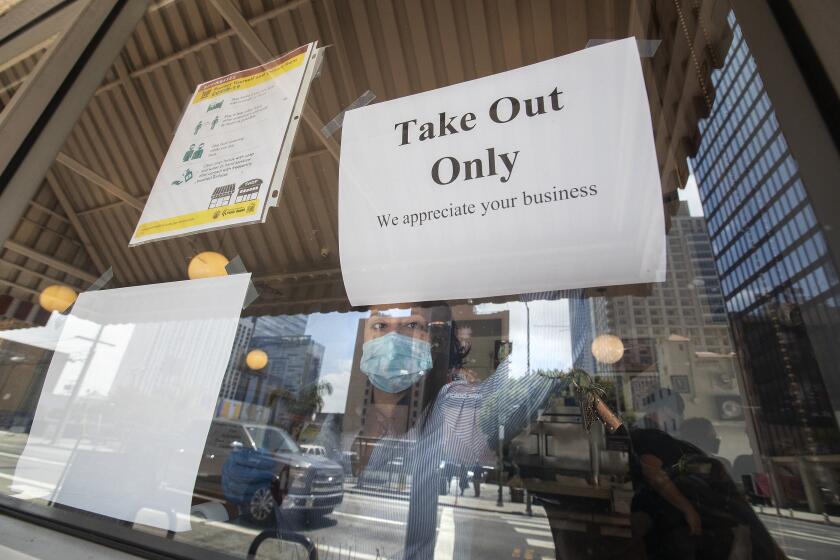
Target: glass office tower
779, 282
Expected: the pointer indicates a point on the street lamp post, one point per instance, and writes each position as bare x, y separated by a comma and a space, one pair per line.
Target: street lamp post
500, 462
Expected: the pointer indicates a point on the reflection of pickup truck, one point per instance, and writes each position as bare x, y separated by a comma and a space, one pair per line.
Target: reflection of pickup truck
243, 458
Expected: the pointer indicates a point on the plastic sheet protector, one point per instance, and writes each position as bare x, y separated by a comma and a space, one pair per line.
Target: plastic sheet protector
128, 399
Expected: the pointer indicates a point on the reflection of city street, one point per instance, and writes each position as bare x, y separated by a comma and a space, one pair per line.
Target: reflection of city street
478, 529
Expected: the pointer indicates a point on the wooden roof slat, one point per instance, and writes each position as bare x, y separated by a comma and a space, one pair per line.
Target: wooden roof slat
112, 221
394, 51
543, 36
479, 40
421, 46
16, 286
81, 231
511, 38
339, 52
50, 261
75, 283
98, 180
368, 53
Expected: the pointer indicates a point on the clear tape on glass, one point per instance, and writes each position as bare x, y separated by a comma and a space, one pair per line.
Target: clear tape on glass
236, 266
102, 281
647, 47
319, 62
365, 99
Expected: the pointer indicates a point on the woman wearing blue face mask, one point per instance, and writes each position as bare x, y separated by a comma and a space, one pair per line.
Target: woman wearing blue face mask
424, 410
405, 351
397, 351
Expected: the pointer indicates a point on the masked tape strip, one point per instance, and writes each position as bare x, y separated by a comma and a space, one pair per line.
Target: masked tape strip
236, 266
647, 47
365, 99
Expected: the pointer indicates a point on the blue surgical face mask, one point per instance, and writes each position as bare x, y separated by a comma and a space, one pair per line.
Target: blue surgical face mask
395, 362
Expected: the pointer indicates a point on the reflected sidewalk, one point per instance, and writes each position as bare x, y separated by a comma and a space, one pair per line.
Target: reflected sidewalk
785, 513
485, 502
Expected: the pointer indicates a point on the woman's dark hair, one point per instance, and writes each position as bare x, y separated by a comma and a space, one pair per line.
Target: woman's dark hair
458, 349
448, 351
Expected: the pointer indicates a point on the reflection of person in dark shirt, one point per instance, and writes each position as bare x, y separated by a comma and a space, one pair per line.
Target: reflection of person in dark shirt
701, 432
686, 505
660, 511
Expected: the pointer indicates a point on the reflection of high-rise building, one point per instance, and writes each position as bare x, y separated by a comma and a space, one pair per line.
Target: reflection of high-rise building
688, 303
779, 282
21, 382
677, 337
286, 388
294, 361
280, 325
294, 364
587, 320
241, 345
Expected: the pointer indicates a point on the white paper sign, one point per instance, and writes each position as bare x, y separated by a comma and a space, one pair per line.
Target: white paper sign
128, 399
230, 150
536, 179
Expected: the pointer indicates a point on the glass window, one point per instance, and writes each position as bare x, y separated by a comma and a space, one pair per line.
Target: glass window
690, 418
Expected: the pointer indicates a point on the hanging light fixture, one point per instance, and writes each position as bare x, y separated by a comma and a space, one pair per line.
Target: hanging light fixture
207, 265
256, 359
57, 298
607, 348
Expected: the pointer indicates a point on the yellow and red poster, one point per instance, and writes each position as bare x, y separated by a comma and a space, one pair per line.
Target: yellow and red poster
230, 150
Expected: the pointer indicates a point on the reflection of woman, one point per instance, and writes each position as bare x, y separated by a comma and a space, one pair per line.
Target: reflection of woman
415, 367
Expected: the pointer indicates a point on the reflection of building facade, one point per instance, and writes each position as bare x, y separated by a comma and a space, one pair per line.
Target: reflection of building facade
587, 320
677, 340
778, 279
294, 364
280, 325
688, 303
241, 345
21, 381
241, 387
687, 308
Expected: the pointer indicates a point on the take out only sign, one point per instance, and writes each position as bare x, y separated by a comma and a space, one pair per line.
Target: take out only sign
536, 179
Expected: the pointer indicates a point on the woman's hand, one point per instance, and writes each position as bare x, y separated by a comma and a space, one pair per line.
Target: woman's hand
468, 375
692, 518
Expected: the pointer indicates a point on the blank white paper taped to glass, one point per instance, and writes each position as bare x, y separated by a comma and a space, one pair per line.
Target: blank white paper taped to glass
128, 399
536, 179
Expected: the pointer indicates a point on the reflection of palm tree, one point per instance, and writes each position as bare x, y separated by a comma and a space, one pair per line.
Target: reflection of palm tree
299, 406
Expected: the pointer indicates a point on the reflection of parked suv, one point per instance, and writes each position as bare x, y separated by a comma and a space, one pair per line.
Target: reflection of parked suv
318, 450
245, 457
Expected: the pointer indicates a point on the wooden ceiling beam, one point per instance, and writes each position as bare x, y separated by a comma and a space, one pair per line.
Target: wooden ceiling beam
67, 268
306, 274
70, 212
178, 55
249, 37
25, 270
19, 287
295, 157
286, 303
49, 211
98, 180
139, 111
